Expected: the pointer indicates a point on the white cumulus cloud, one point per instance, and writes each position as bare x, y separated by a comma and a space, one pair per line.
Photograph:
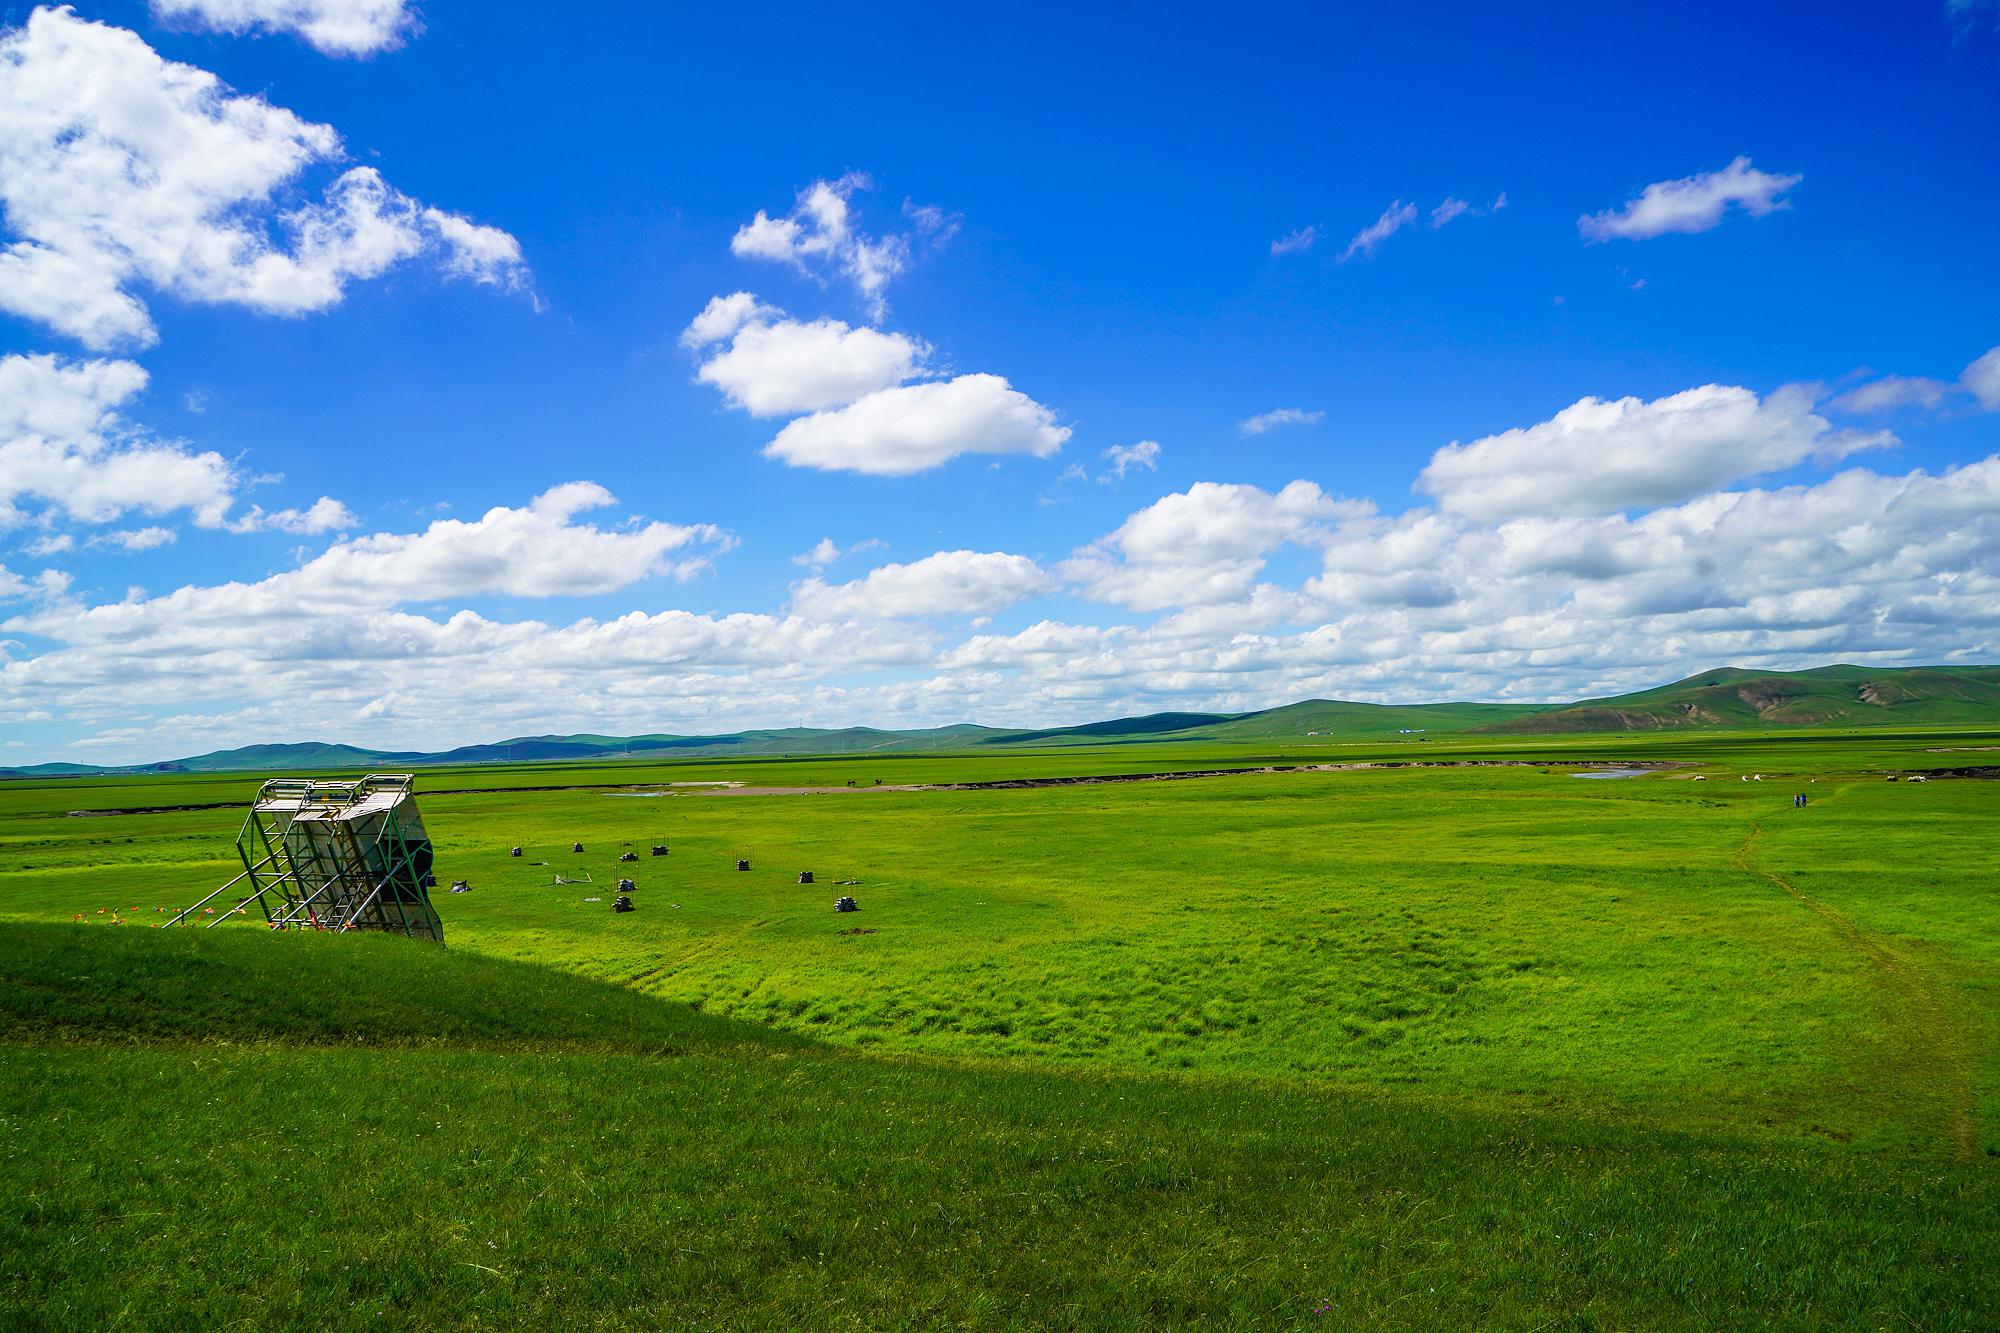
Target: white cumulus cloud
774, 366
1199, 546
949, 583
334, 27
535, 551
895, 432
722, 316
1691, 204
1598, 456
538, 550
63, 444
120, 170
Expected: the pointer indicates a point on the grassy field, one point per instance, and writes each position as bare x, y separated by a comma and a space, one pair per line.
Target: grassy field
1397, 1048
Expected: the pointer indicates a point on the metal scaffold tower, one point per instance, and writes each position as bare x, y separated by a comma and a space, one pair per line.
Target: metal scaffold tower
339, 856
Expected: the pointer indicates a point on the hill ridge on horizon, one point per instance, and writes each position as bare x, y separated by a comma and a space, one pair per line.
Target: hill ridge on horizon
1724, 697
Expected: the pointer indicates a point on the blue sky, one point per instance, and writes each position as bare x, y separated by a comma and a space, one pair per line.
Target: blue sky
1708, 386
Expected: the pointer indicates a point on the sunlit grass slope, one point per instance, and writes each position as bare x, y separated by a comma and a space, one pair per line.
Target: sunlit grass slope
611, 1161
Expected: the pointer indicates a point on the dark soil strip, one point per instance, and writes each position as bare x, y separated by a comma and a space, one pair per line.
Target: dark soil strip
1004, 784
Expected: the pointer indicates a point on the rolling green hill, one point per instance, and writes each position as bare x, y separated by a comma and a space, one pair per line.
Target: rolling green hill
1729, 697
1833, 696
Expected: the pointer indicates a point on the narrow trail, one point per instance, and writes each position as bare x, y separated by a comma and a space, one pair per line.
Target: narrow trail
1932, 1033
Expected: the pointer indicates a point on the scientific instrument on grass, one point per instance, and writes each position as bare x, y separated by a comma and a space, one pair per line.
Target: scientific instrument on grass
335, 855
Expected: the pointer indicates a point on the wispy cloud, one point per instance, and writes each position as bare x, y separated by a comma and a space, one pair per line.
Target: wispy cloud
1283, 416
818, 237
1454, 207
1125, 457
1691, 204
827, 551
1295, 243
1394, 218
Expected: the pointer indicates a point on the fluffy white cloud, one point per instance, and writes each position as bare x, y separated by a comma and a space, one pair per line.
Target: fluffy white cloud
1125, 457
949, 583
479, 253
895, 432
1203, 545
43, 395
1596, 457
62, 443
119, 169
1282, 416
1693, 203
819, 237
1859, 567
335, 27
1295, 243
775, 366
1394, 218
536, 551
1982, 379
864, 414
1427, 603
339, 604
722, 316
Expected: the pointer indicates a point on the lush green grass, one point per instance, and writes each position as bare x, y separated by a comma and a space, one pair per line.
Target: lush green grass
1449, 1048
285, 1174
1853, 750
80, 985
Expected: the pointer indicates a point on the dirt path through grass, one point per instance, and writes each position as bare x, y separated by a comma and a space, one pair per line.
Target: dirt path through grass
1936, 1042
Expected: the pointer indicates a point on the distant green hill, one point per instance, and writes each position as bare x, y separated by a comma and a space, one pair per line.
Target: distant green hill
1313, 717
1339, 718
1832, 696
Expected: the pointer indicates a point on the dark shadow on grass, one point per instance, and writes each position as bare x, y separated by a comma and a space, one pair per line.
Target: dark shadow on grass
123, 983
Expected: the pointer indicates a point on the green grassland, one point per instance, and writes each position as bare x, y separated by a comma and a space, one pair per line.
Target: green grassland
1467, 1042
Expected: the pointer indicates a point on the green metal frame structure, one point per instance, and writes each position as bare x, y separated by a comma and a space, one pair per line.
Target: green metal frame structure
308, 864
